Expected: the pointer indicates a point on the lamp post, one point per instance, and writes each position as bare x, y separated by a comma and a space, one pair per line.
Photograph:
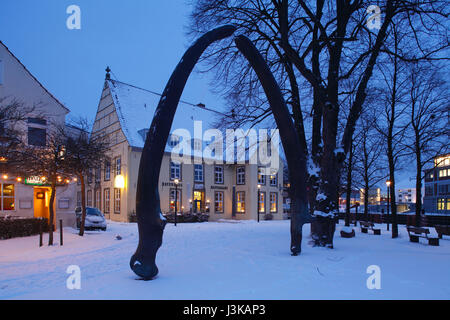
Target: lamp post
176, 181
259, 194
388, 184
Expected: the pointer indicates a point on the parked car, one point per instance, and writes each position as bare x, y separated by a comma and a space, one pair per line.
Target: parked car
94, 219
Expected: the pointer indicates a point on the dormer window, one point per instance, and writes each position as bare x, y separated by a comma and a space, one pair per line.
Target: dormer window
174, 140
197, 145
143, 133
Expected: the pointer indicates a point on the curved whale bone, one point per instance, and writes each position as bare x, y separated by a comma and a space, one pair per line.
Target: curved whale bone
150, 221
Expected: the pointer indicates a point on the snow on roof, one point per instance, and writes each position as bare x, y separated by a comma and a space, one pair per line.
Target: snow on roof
136, 107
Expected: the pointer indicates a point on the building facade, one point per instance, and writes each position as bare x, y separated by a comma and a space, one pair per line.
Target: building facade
437, 186
406, 195
29, 196
221, 190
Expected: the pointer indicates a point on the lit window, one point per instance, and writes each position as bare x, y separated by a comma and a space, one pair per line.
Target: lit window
273, 202
8, 203
240, 202
218, 201
175, 198
273, 180
117, 200
262, 202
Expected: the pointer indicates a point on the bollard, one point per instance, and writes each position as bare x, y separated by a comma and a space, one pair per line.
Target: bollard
40, 233
61, 232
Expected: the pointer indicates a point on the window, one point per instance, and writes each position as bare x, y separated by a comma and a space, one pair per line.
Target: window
273, 180
89, 178
218, 202
441, 204
39, 121
444, 173
261, 176
106, 197
89, 198
175, 197
443, 189
98, 175
63, 203
98, 199
8, 203
37, 137
262, 202
218, 174
273, 202
198, 172
174, 140
79, 199
240, 175
107, 173
240, 202
117, 200
118, 166
175, 171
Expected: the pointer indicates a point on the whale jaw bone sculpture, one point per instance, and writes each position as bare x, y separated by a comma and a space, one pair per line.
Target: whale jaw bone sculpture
150, 221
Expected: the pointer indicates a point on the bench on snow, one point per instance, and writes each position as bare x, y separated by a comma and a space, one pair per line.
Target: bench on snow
441, 230
416, 232
366, 226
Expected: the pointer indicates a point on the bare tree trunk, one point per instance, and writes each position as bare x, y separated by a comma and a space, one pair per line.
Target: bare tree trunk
366, 200
418, 182
349, 187
393, 203
83, 204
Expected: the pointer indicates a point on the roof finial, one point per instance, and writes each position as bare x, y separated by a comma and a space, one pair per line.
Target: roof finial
108, 75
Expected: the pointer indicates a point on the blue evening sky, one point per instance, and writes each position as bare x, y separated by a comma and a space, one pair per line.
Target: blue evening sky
141, 40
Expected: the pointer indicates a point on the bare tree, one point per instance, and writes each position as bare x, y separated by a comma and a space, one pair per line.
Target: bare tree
369, 152
313, 48
82, 154
428, 126
47, 160
12, 116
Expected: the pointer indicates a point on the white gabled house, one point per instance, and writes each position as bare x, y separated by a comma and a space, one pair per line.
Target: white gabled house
28, 196
228, 191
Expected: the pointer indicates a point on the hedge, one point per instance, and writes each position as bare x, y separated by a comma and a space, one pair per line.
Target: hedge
21, 227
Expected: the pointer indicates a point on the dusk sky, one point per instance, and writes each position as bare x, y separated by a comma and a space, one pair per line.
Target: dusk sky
141, 40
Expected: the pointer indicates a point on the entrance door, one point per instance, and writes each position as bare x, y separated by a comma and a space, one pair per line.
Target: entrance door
41, 203
198, 203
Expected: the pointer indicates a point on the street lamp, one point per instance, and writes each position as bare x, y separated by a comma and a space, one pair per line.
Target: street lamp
259, 192
176, 181
388, 184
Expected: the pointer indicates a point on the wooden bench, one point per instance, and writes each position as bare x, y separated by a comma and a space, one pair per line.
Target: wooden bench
441, 230
416, 232
366, 226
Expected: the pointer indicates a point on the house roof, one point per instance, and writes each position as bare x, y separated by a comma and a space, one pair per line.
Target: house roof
136, 107
35, 79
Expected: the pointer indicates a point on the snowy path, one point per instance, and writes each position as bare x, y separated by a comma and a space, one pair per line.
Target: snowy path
243, 260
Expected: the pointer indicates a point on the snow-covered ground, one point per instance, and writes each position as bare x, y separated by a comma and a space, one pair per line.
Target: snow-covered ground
224, 260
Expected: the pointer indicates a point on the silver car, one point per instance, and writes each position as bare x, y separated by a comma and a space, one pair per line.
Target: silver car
94, 219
